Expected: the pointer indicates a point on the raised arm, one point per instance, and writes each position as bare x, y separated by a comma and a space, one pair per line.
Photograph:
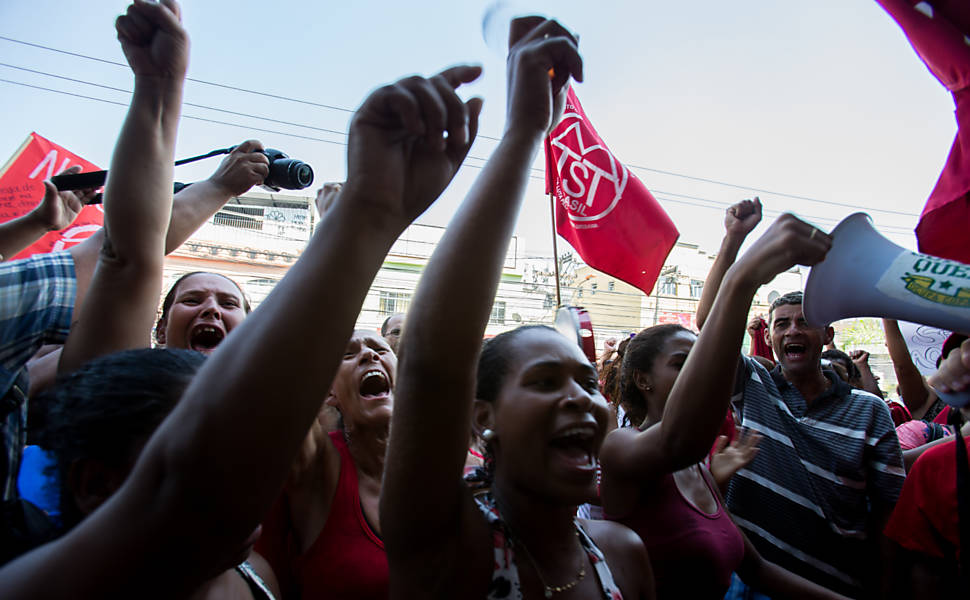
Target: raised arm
126, 283
917, 396
191, 207
868, 379
451, 307
953, 376
243, 168
215, 465
739, 220
696, 405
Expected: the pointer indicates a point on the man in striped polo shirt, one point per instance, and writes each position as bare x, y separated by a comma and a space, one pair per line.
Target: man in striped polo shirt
817, 496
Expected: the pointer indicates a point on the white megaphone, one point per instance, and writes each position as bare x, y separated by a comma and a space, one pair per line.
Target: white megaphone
866, 275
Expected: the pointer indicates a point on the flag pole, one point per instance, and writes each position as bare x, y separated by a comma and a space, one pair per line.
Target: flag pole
555, 247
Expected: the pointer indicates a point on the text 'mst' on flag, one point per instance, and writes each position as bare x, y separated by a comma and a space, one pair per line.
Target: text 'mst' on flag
602, 209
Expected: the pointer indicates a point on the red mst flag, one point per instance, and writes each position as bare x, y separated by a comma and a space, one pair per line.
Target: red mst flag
21, 190
939, 31
602, 209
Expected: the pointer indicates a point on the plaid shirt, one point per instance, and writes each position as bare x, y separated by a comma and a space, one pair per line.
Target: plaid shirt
36, 305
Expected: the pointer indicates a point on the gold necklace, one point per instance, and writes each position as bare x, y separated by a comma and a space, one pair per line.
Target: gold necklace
553, 589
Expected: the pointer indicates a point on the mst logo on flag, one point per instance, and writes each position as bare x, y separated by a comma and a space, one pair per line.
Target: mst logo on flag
595, 180
603, 210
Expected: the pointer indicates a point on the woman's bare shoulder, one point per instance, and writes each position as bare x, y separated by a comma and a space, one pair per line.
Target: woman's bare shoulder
626, 556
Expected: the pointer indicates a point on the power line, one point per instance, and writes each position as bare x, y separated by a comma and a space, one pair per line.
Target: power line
204, 82
196, 118
192, 79
222, 110
480, 135
764, 191
184, 116
661, 195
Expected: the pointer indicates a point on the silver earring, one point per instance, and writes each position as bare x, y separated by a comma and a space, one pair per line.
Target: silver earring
488, 435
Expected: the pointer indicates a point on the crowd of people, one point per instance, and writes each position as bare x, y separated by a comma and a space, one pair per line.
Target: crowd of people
149, 453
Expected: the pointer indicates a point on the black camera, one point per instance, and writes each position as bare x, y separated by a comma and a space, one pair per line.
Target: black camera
286, 173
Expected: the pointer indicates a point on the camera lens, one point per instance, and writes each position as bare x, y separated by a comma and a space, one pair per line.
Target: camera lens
302, 175
290, 174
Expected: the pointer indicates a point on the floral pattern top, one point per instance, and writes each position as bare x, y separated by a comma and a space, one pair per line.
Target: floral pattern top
505, 576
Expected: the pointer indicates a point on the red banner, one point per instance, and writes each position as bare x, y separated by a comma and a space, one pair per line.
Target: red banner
21, 190
940, 34
684, 319
602, 209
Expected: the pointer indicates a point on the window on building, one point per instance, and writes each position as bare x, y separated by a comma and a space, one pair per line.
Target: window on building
696, 285
394, 302
668, 287
242, 217
258, 289
611, 286
593, 286
498, 313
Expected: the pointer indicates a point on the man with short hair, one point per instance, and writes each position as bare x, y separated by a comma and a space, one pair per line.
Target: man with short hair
816, 497
391, 330
818, 494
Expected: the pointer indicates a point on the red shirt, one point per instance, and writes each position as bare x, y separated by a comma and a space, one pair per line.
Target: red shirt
693, 553
347, 560
925, 518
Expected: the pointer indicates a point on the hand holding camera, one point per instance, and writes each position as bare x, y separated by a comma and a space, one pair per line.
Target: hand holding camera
248, 164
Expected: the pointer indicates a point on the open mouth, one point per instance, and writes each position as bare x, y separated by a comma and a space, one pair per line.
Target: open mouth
794, 351
374, 383
205, 338
576, 447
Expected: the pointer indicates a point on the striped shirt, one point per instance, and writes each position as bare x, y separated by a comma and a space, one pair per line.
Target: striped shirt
804, 500
36, 304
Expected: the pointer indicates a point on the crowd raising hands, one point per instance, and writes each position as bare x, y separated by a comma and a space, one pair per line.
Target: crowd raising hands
185, 471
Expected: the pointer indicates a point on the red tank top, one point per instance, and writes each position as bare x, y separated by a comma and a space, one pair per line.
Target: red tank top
347, 560
693, 553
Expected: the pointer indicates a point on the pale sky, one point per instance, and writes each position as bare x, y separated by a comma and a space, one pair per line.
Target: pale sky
824, 100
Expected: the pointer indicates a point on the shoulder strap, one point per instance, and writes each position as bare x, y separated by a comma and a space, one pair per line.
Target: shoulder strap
963, 508
610, 590
257, 586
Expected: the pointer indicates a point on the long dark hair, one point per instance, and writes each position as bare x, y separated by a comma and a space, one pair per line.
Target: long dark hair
640, 354
610, 374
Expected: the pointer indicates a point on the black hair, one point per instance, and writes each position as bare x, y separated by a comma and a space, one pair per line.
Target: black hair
386, 321
837, 355
949, 345
641, 352
493, 366
108, 408
493, 362
791, 298
170, 296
